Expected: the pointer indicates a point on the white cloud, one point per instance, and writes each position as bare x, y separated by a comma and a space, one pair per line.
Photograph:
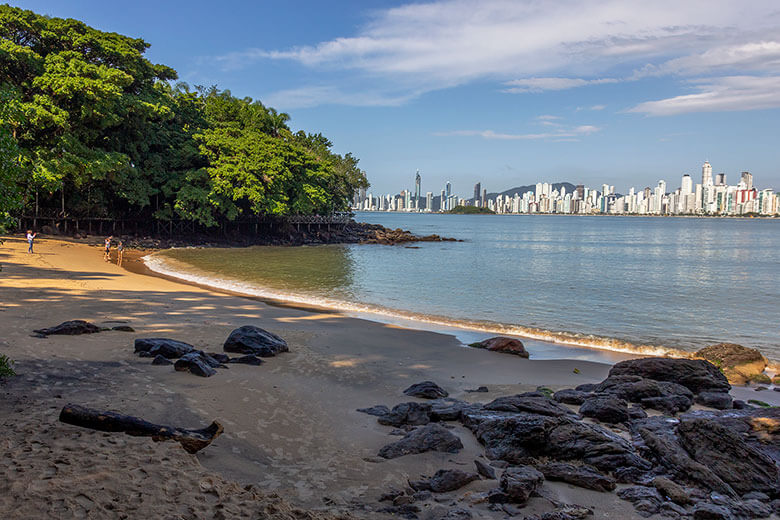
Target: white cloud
521, 86
533, 46
559, 135
729, 93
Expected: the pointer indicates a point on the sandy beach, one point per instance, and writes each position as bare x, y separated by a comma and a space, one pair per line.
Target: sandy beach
294, 445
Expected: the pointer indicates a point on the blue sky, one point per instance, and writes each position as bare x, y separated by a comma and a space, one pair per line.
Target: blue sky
504, 92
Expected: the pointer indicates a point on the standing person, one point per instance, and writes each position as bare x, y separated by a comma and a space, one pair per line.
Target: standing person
120, 250
107, 253
30, 237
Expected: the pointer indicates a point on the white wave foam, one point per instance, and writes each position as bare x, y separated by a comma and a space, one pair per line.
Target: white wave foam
181, 271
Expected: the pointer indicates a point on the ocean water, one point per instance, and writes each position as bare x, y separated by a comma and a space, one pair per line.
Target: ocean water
626, 284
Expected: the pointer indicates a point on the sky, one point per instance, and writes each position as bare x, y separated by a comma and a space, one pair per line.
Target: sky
502, 92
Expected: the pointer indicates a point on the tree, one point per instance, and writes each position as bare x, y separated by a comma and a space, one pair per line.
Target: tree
10, 198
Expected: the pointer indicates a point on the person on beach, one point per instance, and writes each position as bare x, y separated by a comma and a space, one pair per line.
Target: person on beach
107, 253
120, 250
30, 238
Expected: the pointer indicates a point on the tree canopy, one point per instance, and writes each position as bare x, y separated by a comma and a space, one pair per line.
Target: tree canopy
93, 128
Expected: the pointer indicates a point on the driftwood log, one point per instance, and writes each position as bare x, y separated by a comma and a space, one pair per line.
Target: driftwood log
191, 440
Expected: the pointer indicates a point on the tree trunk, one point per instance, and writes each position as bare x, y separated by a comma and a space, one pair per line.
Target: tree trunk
191, 440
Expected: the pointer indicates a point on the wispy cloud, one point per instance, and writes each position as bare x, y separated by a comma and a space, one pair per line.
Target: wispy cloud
529, 46
558, 135
592, 107
717, 95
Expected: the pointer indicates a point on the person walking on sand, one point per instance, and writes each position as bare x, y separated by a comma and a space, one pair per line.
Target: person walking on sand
120, 250
107, 253
30, 237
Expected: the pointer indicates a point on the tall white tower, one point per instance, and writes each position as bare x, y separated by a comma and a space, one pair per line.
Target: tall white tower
706, 174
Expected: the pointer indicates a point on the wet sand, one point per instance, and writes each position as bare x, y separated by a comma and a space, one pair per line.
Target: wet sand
291, 425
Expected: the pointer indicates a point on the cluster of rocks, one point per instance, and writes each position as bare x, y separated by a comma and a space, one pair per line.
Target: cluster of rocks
715, 463
77, 327
740, 365
253, 342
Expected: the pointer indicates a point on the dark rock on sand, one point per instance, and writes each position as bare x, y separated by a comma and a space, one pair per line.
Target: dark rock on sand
672, 490
123, 328
706, 511
70, 328
695, 374
254, 340
664, 396
569, 396
219, 356
412, 413
582, 476
449, 409
159, 359
723, 450
247, 360
605, 408
717, 400
196, 363
739, 364
484, 469
646, 500
445, 480
530, 402
519, 482
504, 345
170, 348
431, 437
378, 410
426, 390
479, 389
670, 404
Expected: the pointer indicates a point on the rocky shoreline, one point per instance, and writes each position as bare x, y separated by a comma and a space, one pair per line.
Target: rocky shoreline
282, 235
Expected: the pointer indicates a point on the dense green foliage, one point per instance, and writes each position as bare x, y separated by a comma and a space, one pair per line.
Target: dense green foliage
9, 170
471, 210
102, 131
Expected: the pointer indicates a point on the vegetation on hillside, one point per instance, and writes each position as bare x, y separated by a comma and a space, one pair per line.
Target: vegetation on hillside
471, 210
92, 128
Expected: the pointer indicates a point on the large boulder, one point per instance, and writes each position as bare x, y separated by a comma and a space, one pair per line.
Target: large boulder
432, 437
531, 402
254, 340
582, 476
70, 328
518, 483
605, 408
739, 364
697, 375
426, 390
725, 452
717, 400
169, 348
504, 345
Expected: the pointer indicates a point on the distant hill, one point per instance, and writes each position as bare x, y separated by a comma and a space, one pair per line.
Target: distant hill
471, 210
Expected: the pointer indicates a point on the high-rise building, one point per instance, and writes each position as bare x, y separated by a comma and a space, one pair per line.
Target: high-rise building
429, 201
686, 186
417, 182
706, 174
477, 190
747, 178
484, 197
720, 179
580, 191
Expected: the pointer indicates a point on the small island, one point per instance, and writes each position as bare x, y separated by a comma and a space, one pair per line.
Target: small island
471, 210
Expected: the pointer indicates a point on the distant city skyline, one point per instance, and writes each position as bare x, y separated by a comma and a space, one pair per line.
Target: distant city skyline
502, 93
713, 196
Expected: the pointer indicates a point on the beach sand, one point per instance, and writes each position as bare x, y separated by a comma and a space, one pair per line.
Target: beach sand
291, 425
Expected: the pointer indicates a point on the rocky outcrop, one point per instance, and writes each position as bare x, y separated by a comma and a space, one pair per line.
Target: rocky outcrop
739, 364
432, 437
411, 413
504, 345
426, 390
519, 483
605, 408
169, 348
697, 375
70, 328
717, 400
570, 396
531, 402
582, 476
256, 341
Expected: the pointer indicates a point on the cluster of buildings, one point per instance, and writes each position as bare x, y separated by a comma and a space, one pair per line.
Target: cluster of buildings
713, 196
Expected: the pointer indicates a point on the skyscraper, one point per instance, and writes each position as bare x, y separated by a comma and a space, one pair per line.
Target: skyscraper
747, 178
720, 179
417, 181
477, 190
706, 174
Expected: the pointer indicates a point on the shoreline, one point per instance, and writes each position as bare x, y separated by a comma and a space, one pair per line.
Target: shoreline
291, 425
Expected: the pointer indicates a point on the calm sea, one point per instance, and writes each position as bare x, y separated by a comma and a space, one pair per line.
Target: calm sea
626, 284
